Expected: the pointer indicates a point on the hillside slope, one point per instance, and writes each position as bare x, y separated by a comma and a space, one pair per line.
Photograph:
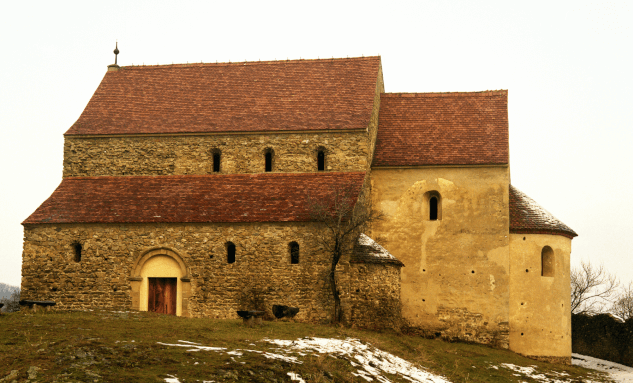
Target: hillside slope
141, 347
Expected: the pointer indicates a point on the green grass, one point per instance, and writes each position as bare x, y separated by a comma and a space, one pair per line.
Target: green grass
97, 347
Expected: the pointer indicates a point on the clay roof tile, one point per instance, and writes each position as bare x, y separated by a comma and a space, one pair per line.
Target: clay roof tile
463, 128
233, 97
264, 197
528, 217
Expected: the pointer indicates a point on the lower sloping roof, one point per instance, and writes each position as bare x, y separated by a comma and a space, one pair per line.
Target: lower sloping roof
267, 197
366, 250
528, 217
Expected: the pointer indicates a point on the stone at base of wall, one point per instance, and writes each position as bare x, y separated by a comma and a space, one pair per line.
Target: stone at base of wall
551, 359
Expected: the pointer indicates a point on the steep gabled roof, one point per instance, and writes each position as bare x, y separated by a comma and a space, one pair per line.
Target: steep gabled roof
366, 250
442, 129
233, 97
528, 217
267, 197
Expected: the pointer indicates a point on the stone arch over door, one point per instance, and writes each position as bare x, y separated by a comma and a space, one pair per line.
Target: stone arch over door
160, 262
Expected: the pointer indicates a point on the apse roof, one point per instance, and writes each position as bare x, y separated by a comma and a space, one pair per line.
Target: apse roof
528, 217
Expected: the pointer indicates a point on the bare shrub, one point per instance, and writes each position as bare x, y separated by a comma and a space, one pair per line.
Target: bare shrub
623, 305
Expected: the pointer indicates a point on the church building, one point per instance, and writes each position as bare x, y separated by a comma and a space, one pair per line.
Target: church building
186, 191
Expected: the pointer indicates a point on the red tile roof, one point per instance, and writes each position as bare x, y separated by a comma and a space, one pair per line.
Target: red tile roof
442, 129
527, 217
233, 97
267, 197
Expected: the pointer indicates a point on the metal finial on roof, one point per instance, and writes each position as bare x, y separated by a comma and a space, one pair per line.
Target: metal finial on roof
116, 52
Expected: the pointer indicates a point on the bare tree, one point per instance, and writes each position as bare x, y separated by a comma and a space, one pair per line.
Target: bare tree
591, 289
12, 302
343, 220
623, 305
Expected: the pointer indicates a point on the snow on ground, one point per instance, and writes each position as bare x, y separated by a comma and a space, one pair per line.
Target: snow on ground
370, 361
530, 372
618, 372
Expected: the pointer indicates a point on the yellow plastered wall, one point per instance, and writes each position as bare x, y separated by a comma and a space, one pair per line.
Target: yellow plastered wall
160, 266
540, 316
456, 274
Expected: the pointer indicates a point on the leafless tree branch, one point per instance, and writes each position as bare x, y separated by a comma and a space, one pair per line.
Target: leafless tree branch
592, 289
343, 218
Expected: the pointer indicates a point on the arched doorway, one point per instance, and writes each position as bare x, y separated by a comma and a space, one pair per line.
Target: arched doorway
160, 283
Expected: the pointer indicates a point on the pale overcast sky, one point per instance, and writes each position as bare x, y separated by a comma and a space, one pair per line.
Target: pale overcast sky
567, 66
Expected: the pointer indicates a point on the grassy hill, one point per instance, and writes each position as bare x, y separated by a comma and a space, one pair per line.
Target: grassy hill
105, 346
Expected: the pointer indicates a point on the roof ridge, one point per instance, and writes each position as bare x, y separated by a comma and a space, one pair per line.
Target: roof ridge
447, 94
229, 63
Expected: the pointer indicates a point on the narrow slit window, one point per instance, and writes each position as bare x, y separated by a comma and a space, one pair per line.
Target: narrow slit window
78, 249
433, 208
294, 253
547, 262
269, 161
216, 162
321, 160
230, 252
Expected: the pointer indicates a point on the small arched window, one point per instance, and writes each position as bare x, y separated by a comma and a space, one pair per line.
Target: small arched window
217, 157
268, 160
78, 249
547, 262
294, 253
433, 208
230, 252
321, 160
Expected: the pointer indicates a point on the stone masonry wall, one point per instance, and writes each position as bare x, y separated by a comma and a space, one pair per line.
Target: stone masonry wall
374, 295
262, 270
193, 154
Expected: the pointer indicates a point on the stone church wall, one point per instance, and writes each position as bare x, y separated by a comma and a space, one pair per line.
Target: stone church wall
193, 154
262, 273
455, 282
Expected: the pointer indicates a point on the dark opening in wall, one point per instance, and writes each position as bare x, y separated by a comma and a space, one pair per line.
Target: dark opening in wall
433, 208
230, 252
294, 253
547, 262
320, 160
78, 249
268, 160
217, 156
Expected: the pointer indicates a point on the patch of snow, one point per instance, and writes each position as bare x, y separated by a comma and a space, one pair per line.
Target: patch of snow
296, 377
195, 347
371, 361
530, 372
618, 372
171, 379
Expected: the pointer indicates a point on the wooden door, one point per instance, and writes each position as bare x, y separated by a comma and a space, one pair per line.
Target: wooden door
162, 295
